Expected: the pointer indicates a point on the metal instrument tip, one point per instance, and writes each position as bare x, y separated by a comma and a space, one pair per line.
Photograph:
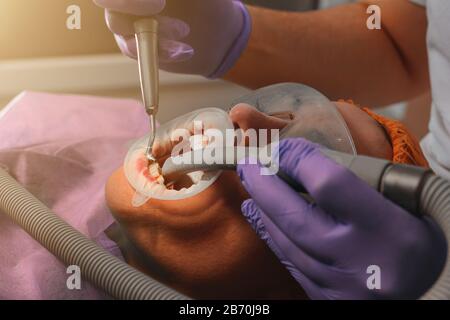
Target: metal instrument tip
151, 141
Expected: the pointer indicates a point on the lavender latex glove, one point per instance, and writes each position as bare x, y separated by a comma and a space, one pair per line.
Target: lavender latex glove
197, 36
329, 245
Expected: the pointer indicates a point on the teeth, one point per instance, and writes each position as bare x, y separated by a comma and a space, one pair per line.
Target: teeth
170, 186
160, 180
155, 172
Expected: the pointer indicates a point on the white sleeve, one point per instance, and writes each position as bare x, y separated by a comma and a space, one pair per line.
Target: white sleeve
420, 2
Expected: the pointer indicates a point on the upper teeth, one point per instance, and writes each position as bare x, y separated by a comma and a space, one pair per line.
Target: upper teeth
155, 172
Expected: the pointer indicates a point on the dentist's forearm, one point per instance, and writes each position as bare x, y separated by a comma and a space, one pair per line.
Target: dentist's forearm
334, 51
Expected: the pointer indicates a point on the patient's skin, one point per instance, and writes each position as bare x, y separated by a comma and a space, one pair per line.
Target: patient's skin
202, 246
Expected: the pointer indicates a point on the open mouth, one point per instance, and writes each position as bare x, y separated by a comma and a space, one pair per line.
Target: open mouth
146, 178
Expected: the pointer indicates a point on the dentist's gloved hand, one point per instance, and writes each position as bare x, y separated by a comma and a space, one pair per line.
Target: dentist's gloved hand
197, 36
328, 246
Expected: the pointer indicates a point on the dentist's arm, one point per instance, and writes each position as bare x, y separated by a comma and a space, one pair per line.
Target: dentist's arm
330, 246
333, 50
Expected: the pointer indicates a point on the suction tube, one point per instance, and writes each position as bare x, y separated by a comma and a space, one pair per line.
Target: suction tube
99, 267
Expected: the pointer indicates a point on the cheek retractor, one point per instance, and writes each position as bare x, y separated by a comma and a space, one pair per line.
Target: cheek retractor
145, 176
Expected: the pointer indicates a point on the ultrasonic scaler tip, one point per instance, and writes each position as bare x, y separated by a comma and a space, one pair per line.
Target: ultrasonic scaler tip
151, 141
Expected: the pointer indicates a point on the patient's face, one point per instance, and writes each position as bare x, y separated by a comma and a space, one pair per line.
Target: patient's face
202, 246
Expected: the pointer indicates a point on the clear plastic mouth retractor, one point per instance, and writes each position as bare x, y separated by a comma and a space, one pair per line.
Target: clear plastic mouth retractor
136, 164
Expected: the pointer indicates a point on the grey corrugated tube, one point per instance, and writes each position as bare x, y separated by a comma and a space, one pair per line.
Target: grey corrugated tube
99, 267
435, 202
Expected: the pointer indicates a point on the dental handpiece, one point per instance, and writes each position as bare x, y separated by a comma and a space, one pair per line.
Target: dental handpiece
148, 59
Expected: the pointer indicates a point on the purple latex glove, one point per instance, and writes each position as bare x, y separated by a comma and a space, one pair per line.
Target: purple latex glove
328, 246
203, 37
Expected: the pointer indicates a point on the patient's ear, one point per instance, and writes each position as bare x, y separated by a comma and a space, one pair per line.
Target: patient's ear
247, 117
